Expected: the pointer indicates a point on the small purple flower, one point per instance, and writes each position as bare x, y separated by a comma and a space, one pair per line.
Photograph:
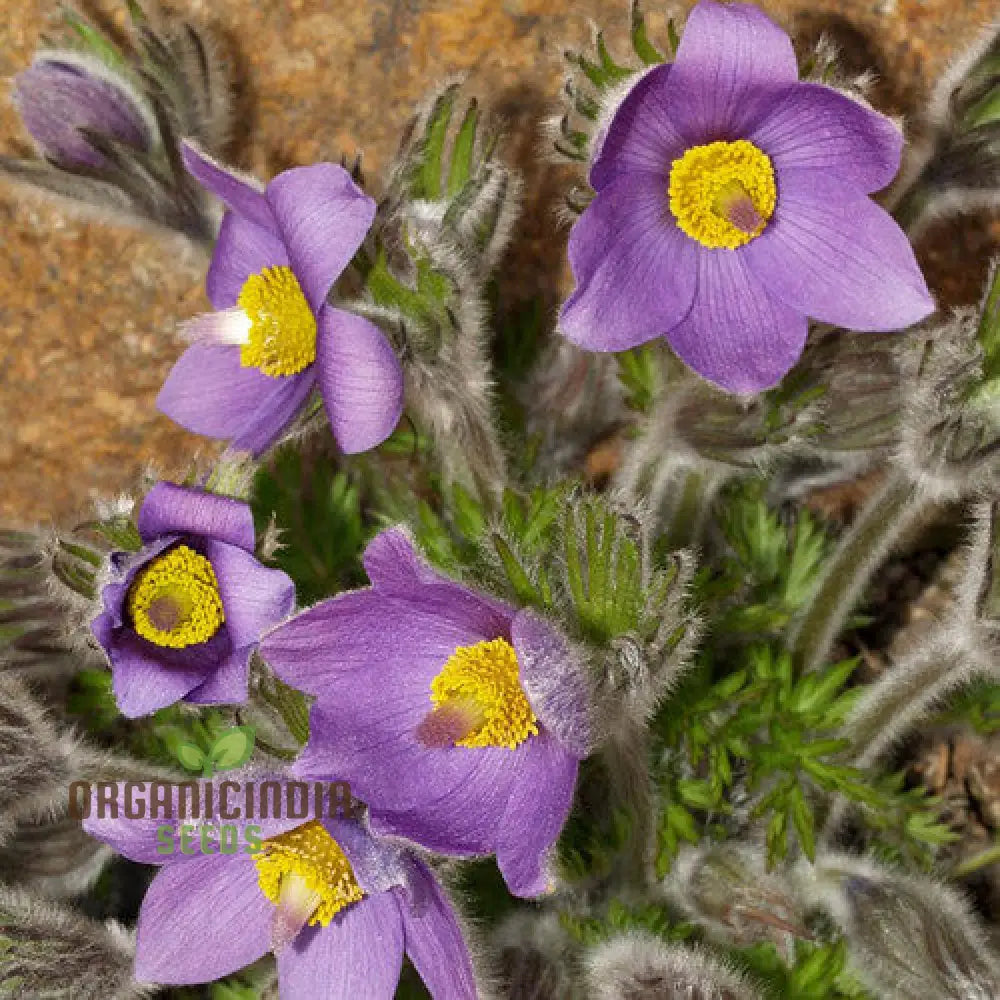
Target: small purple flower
460, 720
732, 203
338, 908
275, 337
182, 616
62, 95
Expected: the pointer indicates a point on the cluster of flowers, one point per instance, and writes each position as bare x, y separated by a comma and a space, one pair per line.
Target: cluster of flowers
731, 203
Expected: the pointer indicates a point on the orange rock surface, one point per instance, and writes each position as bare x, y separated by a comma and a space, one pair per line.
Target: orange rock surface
88, 313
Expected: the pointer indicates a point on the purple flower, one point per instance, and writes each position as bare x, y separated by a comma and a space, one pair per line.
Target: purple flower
182, 615
337, 907
62, 94
460, 720
732, 203
274, 337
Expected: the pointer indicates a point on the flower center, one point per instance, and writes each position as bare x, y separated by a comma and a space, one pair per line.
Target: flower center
306, 874
722, 194
175, 600
479, 701
282, 335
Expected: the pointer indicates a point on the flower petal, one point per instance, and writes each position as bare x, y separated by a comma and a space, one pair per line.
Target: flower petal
201, 921
360, 954
553, 680
391, 561
144, 682
209, 392
169, 509
360, 378
243, 248
367, 647
457, 796
254, 597
377, 753
641, 137
635, 270
737, 335
241, 194
814, 127
832, 253
730, 55
227, 684
541, 794
323, 217
434, 941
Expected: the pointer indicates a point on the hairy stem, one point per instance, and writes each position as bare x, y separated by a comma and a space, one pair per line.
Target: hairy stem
886, 516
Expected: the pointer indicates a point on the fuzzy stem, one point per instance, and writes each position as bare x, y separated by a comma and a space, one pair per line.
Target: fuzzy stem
886, 516
626, 757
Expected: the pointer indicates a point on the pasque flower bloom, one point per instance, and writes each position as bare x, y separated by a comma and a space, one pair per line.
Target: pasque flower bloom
337, 907
62, 96
459, 719
732, 203
182, 616
274, 337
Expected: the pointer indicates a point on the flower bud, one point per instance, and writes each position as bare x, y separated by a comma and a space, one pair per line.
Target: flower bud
640, 966
51, 951
70, 105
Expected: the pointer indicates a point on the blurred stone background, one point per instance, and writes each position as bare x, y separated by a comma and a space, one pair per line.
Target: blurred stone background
87, 313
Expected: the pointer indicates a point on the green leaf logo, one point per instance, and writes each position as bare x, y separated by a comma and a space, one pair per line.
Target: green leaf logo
191, 756
232, 749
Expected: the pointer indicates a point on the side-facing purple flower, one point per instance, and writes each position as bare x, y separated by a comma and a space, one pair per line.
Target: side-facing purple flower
274, 336
337, 907
459, 719
182, 615
732, 203
62, 96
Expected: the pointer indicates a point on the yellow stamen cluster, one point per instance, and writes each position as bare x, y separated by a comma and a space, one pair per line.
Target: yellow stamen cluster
175, 600
708, 181
317, 859
485, 678
282, 338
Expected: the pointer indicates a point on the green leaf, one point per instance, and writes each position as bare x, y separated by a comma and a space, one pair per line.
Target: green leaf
428, 181
644, 48
233, 748
460, 169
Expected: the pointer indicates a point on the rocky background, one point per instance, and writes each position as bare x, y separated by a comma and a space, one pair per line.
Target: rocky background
87, 313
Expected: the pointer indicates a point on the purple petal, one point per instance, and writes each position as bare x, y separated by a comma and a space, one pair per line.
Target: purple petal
57, 98
392, 562
554, 681
243, 248
144, 681
360, 954
832, 253
360, 378
254, 597
641, 138
209, 392
541, 794
635, 270
737, 335
457, 796
169, 509
378, 754
378, 865
201, 921
323, 217
227, 684
729, 57
434, 940
368, 646
813, 127
242, 194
